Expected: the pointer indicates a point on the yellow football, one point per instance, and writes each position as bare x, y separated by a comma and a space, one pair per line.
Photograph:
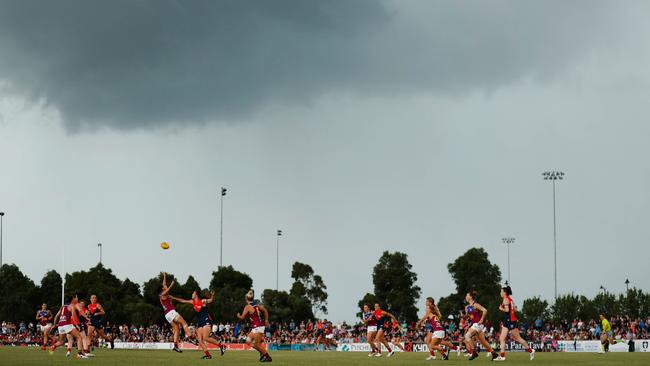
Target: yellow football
164, 245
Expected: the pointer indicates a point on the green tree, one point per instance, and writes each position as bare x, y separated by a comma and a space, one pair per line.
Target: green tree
606, 303
279, 302
50, 290
473, 271
631, 303
310, 285
451, 305
395, 286
565, 308
231, 287
533, 309
20, 296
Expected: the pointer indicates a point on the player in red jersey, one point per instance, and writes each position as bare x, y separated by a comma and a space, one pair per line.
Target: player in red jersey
254, 311
96, 326
510, 325
476, 314
204, 322
82, 324
173, 318
65, 318
320, 337
44, 318
371, 323
381, 315
396, 335
435, 337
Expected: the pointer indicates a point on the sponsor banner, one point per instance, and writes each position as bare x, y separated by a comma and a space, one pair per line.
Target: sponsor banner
143, 345
362, 347
184, 346
640, 345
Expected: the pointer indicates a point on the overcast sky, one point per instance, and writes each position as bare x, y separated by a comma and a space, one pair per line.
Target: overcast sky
353, 126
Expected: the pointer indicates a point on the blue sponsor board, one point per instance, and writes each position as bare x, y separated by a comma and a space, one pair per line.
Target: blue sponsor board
291, 347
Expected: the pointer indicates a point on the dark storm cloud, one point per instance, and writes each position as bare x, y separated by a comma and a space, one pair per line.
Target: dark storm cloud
137, 64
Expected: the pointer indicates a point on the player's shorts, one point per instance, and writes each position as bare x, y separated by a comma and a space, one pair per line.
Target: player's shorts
97, 323
609, 334
259, 330
65, 329
319, 333
397, 334
171, 316
372, 328
510, 324
81, 327
204, 320
46, 327
480, 328
330, 336
439, 334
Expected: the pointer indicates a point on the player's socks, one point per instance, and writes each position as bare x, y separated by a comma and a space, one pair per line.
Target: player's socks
529, 350
503, 354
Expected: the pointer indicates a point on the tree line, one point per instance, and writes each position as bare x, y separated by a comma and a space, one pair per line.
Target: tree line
129, 303
394, 284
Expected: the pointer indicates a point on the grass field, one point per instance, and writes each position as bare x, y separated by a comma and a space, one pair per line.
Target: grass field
33, 357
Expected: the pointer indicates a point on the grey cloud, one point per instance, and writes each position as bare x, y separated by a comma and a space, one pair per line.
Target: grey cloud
141, 64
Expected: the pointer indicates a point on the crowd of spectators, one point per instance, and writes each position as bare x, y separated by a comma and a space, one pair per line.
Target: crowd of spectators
291, 332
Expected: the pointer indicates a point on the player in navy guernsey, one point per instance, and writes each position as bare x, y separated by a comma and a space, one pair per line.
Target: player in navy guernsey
381, 316
510, 325
204, 322
44, 318
96, 326
371, 323
476, 314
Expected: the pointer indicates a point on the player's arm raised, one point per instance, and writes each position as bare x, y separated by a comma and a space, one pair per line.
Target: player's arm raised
211, 299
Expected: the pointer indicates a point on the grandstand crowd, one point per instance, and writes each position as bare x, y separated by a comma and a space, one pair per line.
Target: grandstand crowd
624, 328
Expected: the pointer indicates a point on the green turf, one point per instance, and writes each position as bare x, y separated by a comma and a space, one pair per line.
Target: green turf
20, 356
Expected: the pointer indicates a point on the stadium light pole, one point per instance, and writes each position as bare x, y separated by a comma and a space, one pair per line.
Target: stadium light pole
2, 214
507, 242
554, 175
627, 285
100, 252
223, 194
277, 260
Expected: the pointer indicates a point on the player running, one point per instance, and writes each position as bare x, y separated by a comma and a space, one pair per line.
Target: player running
204, 322
97, 312
328, 333
476, 314
510, 325
254, 311
396, 335
435, 337
173, 318
380, 316
371, 323
64, 319
606, 335
44, 318
82, 326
